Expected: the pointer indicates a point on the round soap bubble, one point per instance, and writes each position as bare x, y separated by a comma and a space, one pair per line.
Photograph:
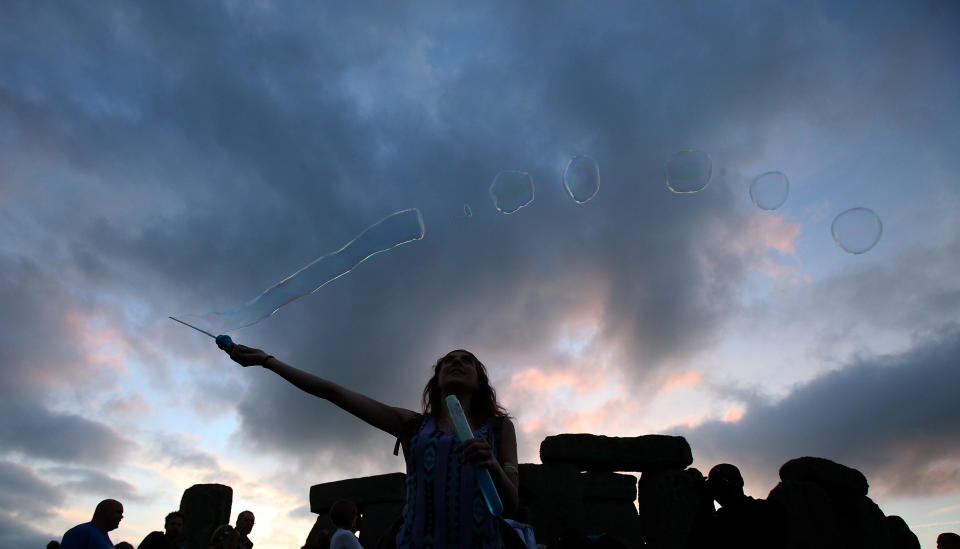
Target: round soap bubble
467, 210
770, 190
857, 230
581, 178
688, 171
511, 190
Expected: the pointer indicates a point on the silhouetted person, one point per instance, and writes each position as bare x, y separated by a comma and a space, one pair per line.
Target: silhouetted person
743, 522
948, 540
701, 531
93, 534
343, 515
122, 545
224, 537
170, 538
429, 441
54, 544
244, 526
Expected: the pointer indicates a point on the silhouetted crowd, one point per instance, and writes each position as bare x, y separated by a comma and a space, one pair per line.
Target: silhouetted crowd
109, 513
736, 521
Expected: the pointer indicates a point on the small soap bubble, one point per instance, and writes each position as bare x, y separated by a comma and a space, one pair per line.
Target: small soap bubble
688, 171
770, 190
581, 178
467, 210
857, 230
511, 190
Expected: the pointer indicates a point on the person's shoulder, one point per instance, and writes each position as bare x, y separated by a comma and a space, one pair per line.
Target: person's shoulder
153, 539
82, 529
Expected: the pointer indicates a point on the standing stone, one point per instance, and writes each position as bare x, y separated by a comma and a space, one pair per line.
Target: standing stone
379, 500
827, 506
553, 499
900, 534
830, 475
610, 454
608, 506
668, 501
204, 507
811, 518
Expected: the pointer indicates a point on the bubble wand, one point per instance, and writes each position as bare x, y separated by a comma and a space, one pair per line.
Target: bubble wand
223, 341
490, 495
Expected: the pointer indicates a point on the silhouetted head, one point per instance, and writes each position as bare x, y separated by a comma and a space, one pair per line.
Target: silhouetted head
224, 537
343, 514
123, 545
245, 522
108, 514
54, 544
948, 540
725, 483
460, 370
173, 524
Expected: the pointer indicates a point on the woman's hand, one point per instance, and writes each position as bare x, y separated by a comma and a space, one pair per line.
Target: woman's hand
477, 451
247, 356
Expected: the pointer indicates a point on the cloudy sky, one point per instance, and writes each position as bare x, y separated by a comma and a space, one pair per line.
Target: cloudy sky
166, 158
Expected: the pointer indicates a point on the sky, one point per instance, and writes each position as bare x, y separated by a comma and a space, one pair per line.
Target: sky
173, 158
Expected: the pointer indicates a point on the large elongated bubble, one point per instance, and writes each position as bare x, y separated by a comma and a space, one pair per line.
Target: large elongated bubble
688, 171
581, 178
857, 230
511, 190
392, 231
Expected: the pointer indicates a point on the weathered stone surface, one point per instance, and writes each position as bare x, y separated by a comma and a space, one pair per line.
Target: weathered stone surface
608, 506
609, 486
601, 453
901, 536
811, 521
818, 517
361, 491
668, 501
375, 519
315, 538
552, 498
830, 475
204, 507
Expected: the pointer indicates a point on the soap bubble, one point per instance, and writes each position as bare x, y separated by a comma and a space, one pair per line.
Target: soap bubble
394, 230
688, 171
511, 190
857, 230
581, 178
770, 190
467, 210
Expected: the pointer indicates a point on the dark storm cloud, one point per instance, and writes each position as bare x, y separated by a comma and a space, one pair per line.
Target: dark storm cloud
90, 481
18, 533
210, 151
24, 493
894, 418
35, 431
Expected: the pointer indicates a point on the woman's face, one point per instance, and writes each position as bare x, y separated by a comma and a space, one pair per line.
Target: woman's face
457, 371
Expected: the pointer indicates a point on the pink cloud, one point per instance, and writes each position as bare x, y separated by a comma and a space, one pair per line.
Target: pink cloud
100, 345
676, 381
733, 415
774, 232
538, 381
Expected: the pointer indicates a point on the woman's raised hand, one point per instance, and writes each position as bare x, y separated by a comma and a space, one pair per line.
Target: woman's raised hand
247, 356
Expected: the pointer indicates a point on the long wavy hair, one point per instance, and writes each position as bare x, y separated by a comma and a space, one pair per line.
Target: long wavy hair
483, 405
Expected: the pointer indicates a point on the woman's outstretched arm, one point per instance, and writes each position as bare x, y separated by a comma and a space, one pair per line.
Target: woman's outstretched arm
386, 418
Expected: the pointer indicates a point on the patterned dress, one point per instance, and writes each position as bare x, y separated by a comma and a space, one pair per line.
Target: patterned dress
445, 508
